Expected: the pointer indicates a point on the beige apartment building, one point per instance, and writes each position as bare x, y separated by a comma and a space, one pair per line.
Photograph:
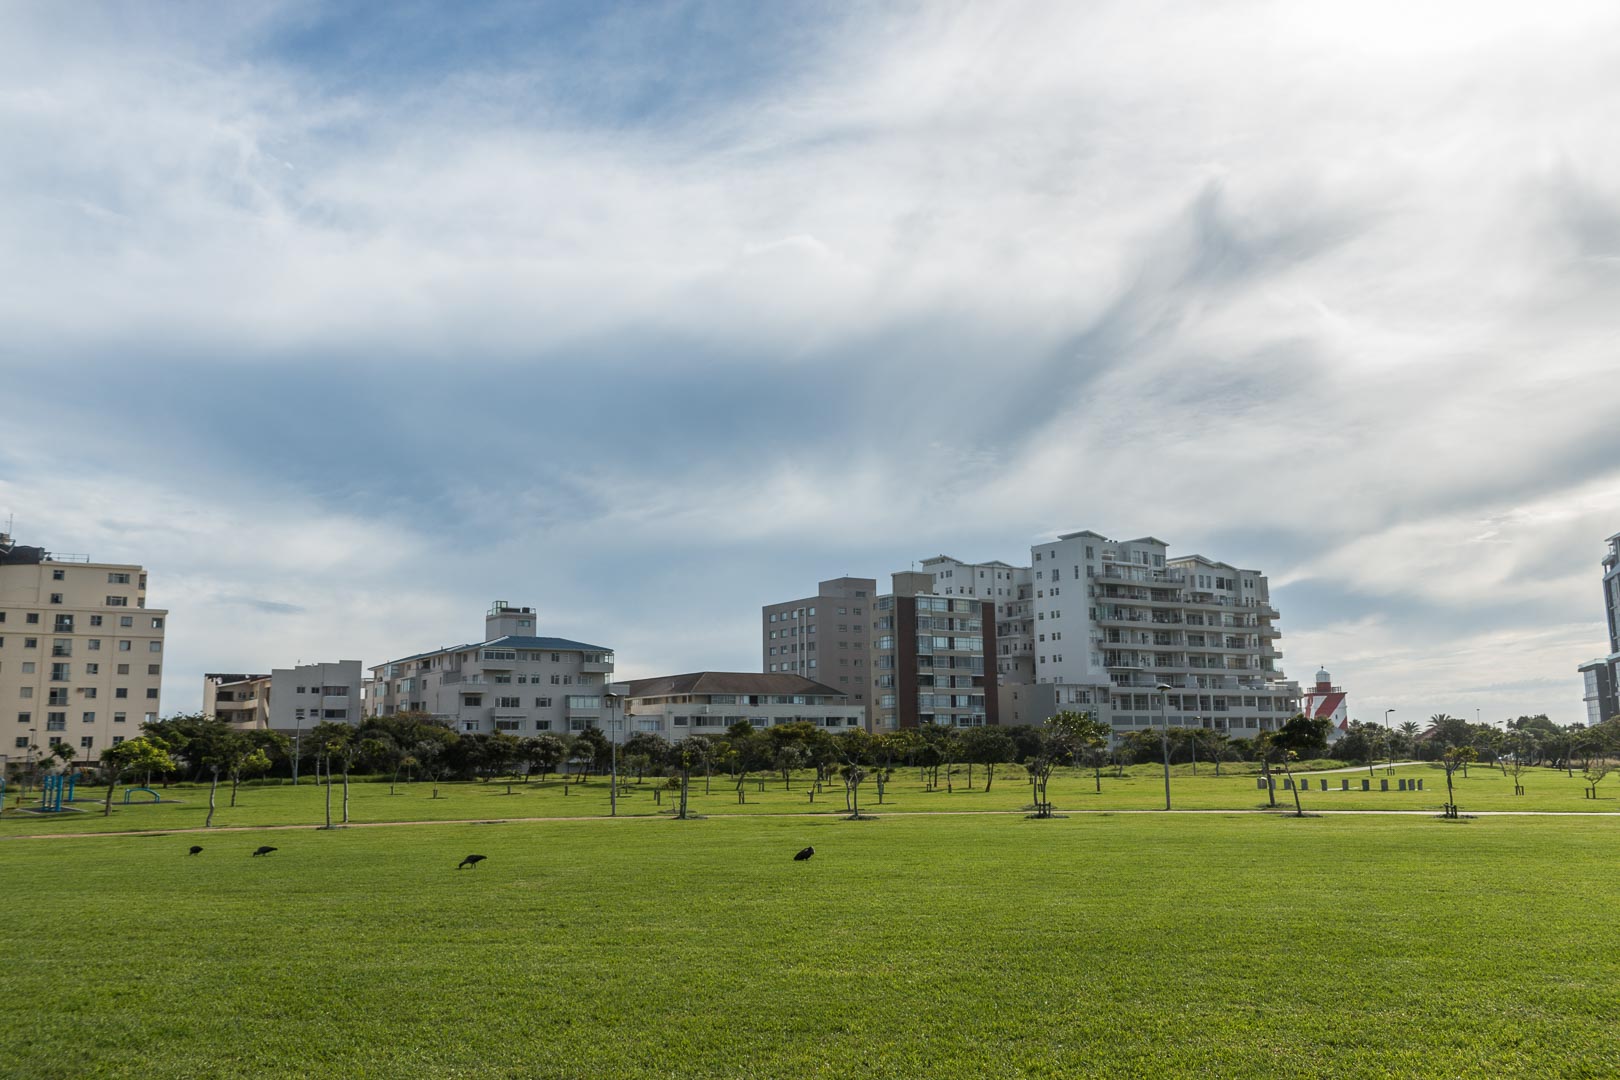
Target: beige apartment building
823, 637
81, 655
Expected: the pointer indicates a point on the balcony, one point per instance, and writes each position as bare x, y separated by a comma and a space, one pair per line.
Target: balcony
598, 667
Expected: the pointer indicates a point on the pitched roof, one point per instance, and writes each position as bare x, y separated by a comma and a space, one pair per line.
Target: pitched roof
553, 644
729, 682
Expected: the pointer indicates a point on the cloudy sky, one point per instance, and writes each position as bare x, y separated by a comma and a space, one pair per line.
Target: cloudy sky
347, 319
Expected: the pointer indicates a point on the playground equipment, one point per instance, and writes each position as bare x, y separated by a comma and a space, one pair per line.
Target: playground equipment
54, 793
130, 792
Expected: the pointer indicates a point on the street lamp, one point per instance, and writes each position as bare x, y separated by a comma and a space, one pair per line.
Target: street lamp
1388, 741
1164, 736
613, 755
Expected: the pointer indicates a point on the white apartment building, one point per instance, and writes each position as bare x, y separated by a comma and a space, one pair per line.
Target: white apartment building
1602, 675
822, 637
81, 655
287, 699
709, 702
511, 681
1094, 624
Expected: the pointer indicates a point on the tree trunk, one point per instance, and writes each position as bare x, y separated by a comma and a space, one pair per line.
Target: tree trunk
345, 791
328, 797
1099, 779
686, 777
989, 775
213, 787
106, 810
236, 781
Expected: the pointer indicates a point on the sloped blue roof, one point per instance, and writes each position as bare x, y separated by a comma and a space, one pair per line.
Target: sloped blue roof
556, 644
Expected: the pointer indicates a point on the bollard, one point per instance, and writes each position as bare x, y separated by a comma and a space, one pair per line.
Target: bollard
1324, 785
1366, 785
1402, 783
1260, 783
1288, 785
1344, 784
1420, 785
1383, 785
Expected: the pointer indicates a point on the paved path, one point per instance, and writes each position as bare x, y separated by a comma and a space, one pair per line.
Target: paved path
1359, 768
1279, 811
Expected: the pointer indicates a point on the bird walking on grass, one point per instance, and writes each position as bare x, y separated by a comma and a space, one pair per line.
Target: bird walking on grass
804, 855
472, 861
265, 850
196, 849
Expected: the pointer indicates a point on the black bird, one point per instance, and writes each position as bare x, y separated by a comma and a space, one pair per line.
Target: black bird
196, 849
267, 849
805, 854
472, 861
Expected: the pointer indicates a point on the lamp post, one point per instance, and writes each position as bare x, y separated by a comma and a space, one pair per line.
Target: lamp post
1164, 736
1388, 742
298, 740
613, 756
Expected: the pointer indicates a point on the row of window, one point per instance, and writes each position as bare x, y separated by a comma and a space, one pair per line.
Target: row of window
64, 623
57, 721
59, 694
30, 667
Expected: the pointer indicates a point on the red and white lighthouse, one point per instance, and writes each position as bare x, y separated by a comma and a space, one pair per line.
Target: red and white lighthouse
1326, 701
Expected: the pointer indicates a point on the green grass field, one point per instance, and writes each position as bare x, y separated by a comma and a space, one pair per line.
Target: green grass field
1141, 788
944, 946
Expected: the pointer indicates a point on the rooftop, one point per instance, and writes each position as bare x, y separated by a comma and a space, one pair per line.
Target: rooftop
729, 682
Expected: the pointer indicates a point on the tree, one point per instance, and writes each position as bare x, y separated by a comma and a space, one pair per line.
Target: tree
684, 756
142, 754
1453, 759
1066, 734
331, 739
590, 748
1305, 735
988, 746
854, 747
1216, 746
1521, 746
544, 752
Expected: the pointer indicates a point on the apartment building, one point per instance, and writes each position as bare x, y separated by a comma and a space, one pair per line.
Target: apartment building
822, 637
287, 699
510, 681
1601, 676
928, 657
81, 655
1114, 620
709, 702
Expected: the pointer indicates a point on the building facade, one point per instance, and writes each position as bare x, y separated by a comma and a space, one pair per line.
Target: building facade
511, 681
709, 702
929, 657
1601, 677
81, 654
287, 699
822, 637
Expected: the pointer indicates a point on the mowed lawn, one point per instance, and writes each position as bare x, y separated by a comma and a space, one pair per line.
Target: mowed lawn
1140, 788
947, 946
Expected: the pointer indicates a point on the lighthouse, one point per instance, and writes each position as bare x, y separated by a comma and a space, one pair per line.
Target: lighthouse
1326, 701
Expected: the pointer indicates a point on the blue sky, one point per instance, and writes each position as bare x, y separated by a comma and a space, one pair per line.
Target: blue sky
346, 320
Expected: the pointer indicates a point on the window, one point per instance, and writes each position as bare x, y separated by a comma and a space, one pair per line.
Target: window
119, 718
28, 667
56, 721
118, 579
56, 598
95, 620
117, 601
123, 669
21, 743
151, 693
330, 714
157, 623
121, 692
25, 691
509, 703
94, 644
151, 718
23, 717
86, 742
542, 703
508, 725
58, 575
30, 642
126, 620
154, 646
32, 619
88, 691
151, 669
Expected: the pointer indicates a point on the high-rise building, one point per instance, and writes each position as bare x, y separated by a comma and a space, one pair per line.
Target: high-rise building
81, 655
1114, 620
1601, 677
511, 681
823, 637
929, 657
287, 699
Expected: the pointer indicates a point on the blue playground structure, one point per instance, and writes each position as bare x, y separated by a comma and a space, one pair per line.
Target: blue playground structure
130, 791
54, 793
